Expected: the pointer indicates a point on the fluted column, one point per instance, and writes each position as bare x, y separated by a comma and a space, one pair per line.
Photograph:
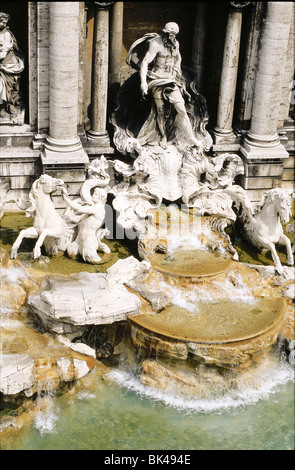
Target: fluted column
100, 69
223, 131
63, 143
262, 144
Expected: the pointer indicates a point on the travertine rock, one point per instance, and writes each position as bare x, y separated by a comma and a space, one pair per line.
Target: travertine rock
88, 299
17, 373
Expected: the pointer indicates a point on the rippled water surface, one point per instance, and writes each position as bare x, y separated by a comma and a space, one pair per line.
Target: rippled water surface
121, 414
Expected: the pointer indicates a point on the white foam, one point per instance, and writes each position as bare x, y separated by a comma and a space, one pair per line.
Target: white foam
188, 243
47, 416
239, 291
269, 382
85, 395
45, 421
13, 275
184, 299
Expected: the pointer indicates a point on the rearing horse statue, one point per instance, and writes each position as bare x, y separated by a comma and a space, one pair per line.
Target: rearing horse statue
262, 225
48, 227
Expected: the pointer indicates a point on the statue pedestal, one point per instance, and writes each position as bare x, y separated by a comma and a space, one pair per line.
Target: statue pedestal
225, 141
68, 163
264, 165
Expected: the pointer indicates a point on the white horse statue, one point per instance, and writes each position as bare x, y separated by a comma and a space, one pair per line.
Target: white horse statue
48, 227
262, 223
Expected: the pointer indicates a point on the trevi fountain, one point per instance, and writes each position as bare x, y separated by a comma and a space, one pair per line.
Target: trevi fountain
156, 311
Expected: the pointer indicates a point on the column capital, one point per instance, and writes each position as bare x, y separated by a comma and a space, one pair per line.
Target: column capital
103, 5
239, 5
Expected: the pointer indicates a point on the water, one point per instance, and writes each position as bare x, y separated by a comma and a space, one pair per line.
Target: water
12, 223
121, 414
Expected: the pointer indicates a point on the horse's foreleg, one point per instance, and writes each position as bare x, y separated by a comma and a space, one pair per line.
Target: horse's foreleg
276, 259
284, 240
45, 233
268, 245
26, 233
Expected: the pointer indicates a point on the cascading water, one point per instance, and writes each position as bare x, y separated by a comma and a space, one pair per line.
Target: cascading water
213, 346
129, 399
47, 415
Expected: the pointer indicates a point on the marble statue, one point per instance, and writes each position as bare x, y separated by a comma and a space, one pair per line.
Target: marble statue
159, 104
86, 214
78, 230
11, 67
161, 75
88, 239
160, 127
262, 224
48, 227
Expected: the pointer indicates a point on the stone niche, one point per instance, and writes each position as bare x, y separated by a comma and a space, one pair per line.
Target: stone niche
18, 25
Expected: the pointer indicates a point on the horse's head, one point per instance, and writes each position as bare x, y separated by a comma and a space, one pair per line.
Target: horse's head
50, 184
285, 209
283, 203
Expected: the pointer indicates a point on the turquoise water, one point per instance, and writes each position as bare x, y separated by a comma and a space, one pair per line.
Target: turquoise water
121, 414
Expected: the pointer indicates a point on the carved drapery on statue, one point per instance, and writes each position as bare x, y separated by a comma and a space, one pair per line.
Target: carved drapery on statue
166, 154
135, 117
168, 82
11, 67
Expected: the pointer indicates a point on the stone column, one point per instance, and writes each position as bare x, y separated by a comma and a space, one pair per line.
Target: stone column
223, 131
199, 43
116, 37
100, 70
262, 151
63, 155
63, 145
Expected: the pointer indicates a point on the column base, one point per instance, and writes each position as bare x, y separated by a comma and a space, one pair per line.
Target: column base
224, 141
101, 139
263, 150
69, 165
263, 167
97, 144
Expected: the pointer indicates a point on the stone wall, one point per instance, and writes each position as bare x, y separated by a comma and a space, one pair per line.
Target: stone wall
202, 36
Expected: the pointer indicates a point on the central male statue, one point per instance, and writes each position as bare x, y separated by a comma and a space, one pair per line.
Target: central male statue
164, 79
159, 62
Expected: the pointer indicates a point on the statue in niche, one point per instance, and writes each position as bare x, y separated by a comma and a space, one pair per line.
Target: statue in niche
159, 104
160, 127
158, 113
11, 67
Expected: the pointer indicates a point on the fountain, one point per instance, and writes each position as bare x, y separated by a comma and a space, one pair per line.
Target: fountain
184, 315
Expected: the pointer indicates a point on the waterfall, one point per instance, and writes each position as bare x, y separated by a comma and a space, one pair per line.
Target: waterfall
47, 415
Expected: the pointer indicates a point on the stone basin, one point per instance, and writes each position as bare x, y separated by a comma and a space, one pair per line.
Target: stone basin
191, 263
218, 322
184, 244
